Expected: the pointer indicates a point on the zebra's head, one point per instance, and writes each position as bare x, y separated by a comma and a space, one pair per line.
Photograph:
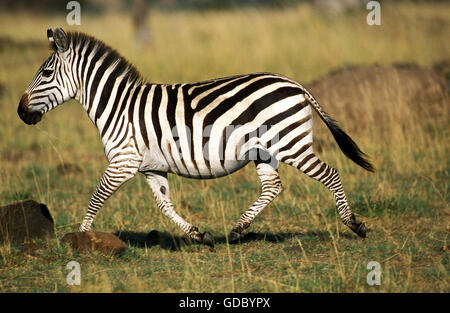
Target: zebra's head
51, 85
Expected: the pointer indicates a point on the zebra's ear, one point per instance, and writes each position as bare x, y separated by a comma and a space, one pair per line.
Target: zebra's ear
51, 40
60, 39
50, 35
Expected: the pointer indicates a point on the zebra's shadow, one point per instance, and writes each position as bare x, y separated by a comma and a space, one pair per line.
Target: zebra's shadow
173, 242
154, 238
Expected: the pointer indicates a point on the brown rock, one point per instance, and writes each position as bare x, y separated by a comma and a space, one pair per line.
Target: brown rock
25, 220
104, 242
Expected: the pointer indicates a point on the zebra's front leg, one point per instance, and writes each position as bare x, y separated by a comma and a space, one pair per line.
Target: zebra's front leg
160, 187
271, 187
114, 176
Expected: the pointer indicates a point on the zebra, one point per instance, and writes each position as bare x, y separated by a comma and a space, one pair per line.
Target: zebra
136, 120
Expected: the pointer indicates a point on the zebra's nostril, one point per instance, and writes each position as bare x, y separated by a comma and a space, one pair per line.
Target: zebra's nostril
21, 111
25, 115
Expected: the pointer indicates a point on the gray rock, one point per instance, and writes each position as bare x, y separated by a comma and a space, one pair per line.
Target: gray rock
25, 220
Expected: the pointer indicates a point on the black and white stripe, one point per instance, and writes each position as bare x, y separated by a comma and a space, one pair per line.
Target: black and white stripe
200, 130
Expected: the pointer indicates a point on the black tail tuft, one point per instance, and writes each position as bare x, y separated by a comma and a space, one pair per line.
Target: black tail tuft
347, 145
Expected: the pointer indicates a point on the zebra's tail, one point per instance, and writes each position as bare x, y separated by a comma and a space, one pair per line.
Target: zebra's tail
345, 143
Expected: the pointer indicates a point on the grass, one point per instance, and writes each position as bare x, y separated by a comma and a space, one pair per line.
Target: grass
298, 243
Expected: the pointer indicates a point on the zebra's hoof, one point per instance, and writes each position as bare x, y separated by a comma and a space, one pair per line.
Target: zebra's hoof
360, 230
208, 239
234, 237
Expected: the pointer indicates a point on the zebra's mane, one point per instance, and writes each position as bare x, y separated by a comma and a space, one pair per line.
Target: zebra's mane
123, 66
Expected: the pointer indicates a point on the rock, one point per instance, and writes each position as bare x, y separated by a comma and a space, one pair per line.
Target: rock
362, 96
25, 220
104, 242
350, 88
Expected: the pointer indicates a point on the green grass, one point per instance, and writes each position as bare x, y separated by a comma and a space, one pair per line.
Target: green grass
298, 243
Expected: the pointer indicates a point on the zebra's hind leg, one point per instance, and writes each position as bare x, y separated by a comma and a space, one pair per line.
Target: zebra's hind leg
271, 187
160, 187
310, 164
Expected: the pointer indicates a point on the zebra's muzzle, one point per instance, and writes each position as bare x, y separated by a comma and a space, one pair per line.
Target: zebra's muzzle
30, 118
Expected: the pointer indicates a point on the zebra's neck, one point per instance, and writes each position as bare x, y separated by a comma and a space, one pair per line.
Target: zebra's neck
106, 82
110, 100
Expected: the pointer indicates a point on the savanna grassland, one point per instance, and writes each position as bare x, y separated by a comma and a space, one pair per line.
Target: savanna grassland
297, 244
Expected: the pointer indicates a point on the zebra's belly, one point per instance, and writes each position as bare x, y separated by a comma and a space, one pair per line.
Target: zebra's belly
187, 166
208, 172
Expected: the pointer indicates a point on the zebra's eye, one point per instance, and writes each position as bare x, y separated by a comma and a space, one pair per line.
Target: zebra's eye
47, 73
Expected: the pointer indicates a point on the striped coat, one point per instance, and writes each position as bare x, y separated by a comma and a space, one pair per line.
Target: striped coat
198, 130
